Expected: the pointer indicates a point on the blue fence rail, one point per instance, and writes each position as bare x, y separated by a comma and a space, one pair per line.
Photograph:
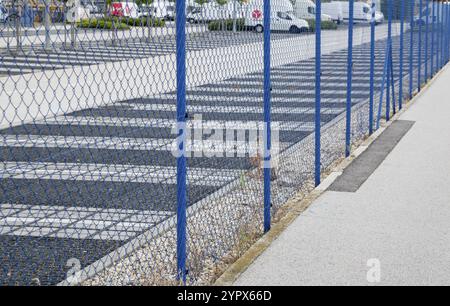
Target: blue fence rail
153, 144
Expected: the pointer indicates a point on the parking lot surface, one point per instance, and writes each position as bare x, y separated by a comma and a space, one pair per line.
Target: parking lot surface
82, 184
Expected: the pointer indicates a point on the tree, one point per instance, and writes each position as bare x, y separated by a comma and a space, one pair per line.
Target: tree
201, 2
222, 3
107, 6
143, 2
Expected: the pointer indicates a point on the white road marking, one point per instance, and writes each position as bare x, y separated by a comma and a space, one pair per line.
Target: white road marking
142, 144
227, 109
76, 222
114, 173
305, 126
85, 142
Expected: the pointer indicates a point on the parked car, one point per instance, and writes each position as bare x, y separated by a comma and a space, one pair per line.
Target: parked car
170, 13
159, 9
282, 17
3, 14
76, 14
93, 9
428, 15
207, 13
145, 10
334, 10
91, 6
306, 9
362, 13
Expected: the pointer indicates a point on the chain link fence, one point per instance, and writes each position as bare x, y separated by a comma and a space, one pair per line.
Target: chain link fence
152, 142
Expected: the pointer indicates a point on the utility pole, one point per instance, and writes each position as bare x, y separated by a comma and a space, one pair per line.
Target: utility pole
234, 16
47, 44
17, 22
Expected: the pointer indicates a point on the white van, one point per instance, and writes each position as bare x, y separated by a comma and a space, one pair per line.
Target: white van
76, 13
428, 14
161, 9
282, 17
3, 14
362, 13
170, 12
208, 12
334, 10
306, 9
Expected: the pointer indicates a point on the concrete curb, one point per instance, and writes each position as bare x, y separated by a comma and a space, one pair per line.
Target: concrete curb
295, 206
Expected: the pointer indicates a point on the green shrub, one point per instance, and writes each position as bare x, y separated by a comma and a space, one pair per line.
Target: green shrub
325, 25
138, 22
144, 22
101, 24
219, 25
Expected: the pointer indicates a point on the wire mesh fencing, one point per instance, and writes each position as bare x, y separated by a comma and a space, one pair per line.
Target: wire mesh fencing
153, 142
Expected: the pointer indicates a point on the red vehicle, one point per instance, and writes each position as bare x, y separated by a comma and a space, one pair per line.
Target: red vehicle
117, 9
124, 9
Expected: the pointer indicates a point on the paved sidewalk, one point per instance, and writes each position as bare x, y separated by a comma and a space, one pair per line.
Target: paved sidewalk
399, 218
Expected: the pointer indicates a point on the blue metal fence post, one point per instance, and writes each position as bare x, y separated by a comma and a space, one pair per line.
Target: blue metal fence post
439, 42
388, 86
392, 80
438, 36
267, 132
181, 139
446, 33
444, 20
372, 67
447, 28
439, 33
433, 12
439, 49
318, 85
442, 35
349, 79
402, 28
411, 48
426, 37
447, 47
383, 84
419, 55
389, 63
